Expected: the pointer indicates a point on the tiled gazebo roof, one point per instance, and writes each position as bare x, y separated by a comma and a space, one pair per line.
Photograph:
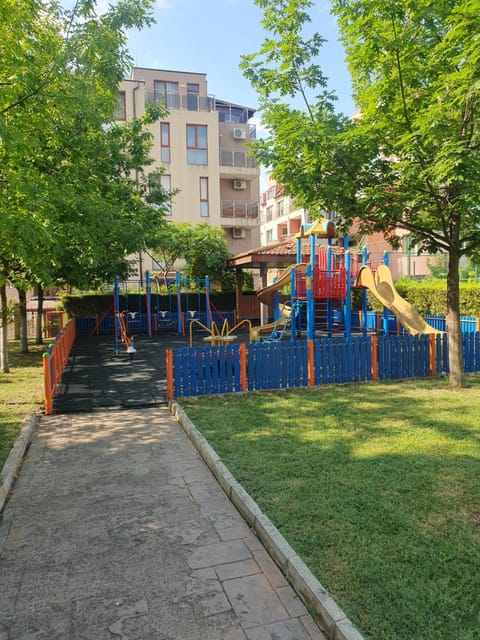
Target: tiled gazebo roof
276, 254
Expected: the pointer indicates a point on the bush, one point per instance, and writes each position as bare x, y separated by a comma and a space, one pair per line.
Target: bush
429, 297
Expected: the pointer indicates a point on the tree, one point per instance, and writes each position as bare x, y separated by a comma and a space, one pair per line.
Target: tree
171, 246
410, 159
201, 246
75, 198
208, 255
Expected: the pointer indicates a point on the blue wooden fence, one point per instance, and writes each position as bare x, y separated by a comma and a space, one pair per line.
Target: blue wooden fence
278, 365
201, 371
212, 370
403, 356
344, 360
468, 324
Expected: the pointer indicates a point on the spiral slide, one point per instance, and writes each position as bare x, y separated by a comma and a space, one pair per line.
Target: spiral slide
267, 296
382, 287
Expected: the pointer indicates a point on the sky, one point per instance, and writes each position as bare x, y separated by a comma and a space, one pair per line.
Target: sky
209, 36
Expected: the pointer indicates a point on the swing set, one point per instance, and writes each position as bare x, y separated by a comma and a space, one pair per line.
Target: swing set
137, 307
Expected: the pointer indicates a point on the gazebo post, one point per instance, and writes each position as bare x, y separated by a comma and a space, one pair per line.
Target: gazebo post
264, 280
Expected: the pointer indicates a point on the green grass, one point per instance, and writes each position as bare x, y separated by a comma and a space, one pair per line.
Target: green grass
376, 486
21, 391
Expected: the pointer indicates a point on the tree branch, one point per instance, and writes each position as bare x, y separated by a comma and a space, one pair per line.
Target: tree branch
47, 75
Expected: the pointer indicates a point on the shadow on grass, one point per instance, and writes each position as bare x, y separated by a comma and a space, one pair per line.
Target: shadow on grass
376, 486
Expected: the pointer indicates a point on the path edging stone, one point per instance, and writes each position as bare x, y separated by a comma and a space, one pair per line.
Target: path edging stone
330, 617
15, 457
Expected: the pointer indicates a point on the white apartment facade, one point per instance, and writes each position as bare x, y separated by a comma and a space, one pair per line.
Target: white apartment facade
202, 146
279, 216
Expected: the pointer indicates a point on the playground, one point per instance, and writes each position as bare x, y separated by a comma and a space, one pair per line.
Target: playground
148, 349
310, 297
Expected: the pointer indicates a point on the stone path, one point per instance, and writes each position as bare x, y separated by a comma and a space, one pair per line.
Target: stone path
117, 529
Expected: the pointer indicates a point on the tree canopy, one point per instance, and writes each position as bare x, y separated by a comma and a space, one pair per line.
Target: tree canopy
409, 159
75, 198
202, 247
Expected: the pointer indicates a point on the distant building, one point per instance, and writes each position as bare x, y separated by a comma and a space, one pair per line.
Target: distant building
281, 219
202, 146
279, 216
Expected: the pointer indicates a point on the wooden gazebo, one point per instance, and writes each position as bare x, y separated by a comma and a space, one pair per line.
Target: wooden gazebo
276, 255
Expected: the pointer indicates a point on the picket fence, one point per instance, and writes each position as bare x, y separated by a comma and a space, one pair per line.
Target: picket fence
260, 366
55, 359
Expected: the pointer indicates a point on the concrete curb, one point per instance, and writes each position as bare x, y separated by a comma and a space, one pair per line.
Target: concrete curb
330, 617
15, 457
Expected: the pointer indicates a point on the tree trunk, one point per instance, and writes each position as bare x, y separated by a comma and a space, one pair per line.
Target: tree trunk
455, 357
3, 330
39, 318
22, 307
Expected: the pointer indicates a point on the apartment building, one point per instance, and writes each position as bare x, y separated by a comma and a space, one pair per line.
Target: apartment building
279, 216
202, 146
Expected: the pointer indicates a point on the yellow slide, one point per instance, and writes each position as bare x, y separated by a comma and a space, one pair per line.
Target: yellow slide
267, 296
382, 287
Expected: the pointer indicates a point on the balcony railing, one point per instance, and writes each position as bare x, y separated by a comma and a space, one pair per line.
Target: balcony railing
245, 210
182, 101
233, 158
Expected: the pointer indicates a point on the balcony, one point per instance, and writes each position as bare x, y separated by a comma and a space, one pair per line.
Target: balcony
240, 212
237, 159
182, 101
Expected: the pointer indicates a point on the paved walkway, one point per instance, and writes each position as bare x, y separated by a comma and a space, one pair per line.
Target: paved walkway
116, 529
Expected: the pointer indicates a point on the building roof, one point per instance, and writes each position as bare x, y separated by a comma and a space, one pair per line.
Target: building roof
275, 254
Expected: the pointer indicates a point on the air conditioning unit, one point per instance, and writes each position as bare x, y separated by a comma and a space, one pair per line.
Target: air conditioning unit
239, 184
238, 232
239, 134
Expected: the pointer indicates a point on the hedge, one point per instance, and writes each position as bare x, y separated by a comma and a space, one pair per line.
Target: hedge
98, 304
430, 297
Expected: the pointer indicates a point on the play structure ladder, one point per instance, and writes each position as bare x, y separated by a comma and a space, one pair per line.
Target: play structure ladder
283, 322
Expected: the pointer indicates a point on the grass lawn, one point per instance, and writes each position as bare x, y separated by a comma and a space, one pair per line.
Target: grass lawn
376, 486
21, 391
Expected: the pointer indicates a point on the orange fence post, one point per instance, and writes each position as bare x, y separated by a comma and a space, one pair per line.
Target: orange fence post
169, 368
433, 354
243, 366
374, 357
47, 386
478, 324
310, 363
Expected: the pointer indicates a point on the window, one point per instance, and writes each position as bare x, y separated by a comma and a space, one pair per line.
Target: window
165, 182
204, 197
280, 208
166, 93
269, 213
193, 91
164, 142
121, 110
197, 144
269, 235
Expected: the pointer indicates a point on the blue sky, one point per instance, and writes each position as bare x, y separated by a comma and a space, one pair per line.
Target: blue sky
209, 37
